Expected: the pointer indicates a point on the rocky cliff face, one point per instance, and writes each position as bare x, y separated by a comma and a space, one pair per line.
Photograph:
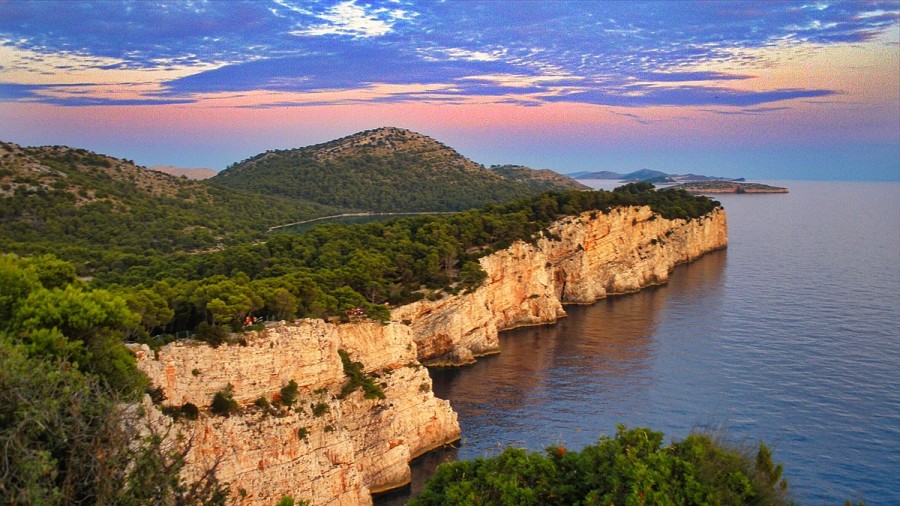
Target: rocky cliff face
326, 449
335, 450
580, 260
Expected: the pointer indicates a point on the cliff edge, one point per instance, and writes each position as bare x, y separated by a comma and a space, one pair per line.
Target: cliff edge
328, 448
578, 260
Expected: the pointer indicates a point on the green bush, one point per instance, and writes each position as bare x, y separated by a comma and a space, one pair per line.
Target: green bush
289, 393
320, 409
67, 439
223, 402
357, 378
214, 335
631, 468
290, 501
190, 411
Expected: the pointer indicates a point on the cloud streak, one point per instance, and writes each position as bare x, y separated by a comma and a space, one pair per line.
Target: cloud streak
625, 54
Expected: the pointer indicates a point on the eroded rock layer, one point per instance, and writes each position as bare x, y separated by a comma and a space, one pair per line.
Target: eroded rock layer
580, 259
325, 449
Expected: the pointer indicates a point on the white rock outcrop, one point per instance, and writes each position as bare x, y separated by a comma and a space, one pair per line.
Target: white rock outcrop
335, 455
580, 260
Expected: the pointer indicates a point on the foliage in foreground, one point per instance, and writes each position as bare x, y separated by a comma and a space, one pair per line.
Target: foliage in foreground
67, 435
631, 468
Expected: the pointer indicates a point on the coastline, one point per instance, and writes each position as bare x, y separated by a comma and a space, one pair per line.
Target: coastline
582, 259
361, 446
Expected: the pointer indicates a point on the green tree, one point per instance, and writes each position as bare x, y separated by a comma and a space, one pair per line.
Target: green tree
471, 275
16, 283
84, 327
151, 307
69, 439
51, 271
634, 467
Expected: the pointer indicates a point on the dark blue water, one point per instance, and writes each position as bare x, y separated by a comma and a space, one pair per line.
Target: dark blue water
791, 336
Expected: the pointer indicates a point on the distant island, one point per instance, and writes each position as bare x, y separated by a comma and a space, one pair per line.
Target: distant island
693, 183
729, 187
649, 176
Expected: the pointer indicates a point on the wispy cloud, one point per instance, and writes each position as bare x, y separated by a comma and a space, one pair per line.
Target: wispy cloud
632, 116
629, 54
756, 111
349, 19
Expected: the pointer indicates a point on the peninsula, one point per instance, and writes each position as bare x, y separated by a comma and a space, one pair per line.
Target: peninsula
712, 187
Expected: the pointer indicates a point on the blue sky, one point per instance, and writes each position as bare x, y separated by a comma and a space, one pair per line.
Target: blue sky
756, 89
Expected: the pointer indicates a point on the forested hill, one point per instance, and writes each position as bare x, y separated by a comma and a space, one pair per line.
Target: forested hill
84, 206
540, 180
386, 169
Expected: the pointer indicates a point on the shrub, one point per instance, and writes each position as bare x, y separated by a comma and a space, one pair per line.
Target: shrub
289, 393
357, 378
320, 409
471, 275
223, 402
214, 335
157, 395
290, 501
190, 411
68, 438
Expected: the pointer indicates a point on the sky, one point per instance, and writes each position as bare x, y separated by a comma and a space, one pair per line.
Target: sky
763, 90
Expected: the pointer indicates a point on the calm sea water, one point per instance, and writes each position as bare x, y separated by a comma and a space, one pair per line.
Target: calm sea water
791, 336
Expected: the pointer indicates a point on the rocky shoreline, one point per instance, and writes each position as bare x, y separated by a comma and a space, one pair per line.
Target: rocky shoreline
580, 260
331, 448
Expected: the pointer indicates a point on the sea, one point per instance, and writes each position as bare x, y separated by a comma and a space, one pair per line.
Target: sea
790, 336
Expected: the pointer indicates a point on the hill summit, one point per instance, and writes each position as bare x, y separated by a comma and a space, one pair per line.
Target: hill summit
391, 141
385, 169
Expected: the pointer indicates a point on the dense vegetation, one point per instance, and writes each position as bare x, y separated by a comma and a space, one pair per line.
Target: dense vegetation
64, 374
169, 255
388, 169
129, 229
631, 468
335, 268
97, 210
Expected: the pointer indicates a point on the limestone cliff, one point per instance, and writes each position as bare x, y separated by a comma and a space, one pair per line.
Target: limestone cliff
326, 449
335, 450
579, 260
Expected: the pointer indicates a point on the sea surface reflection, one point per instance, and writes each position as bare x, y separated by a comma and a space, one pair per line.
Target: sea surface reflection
792, 336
